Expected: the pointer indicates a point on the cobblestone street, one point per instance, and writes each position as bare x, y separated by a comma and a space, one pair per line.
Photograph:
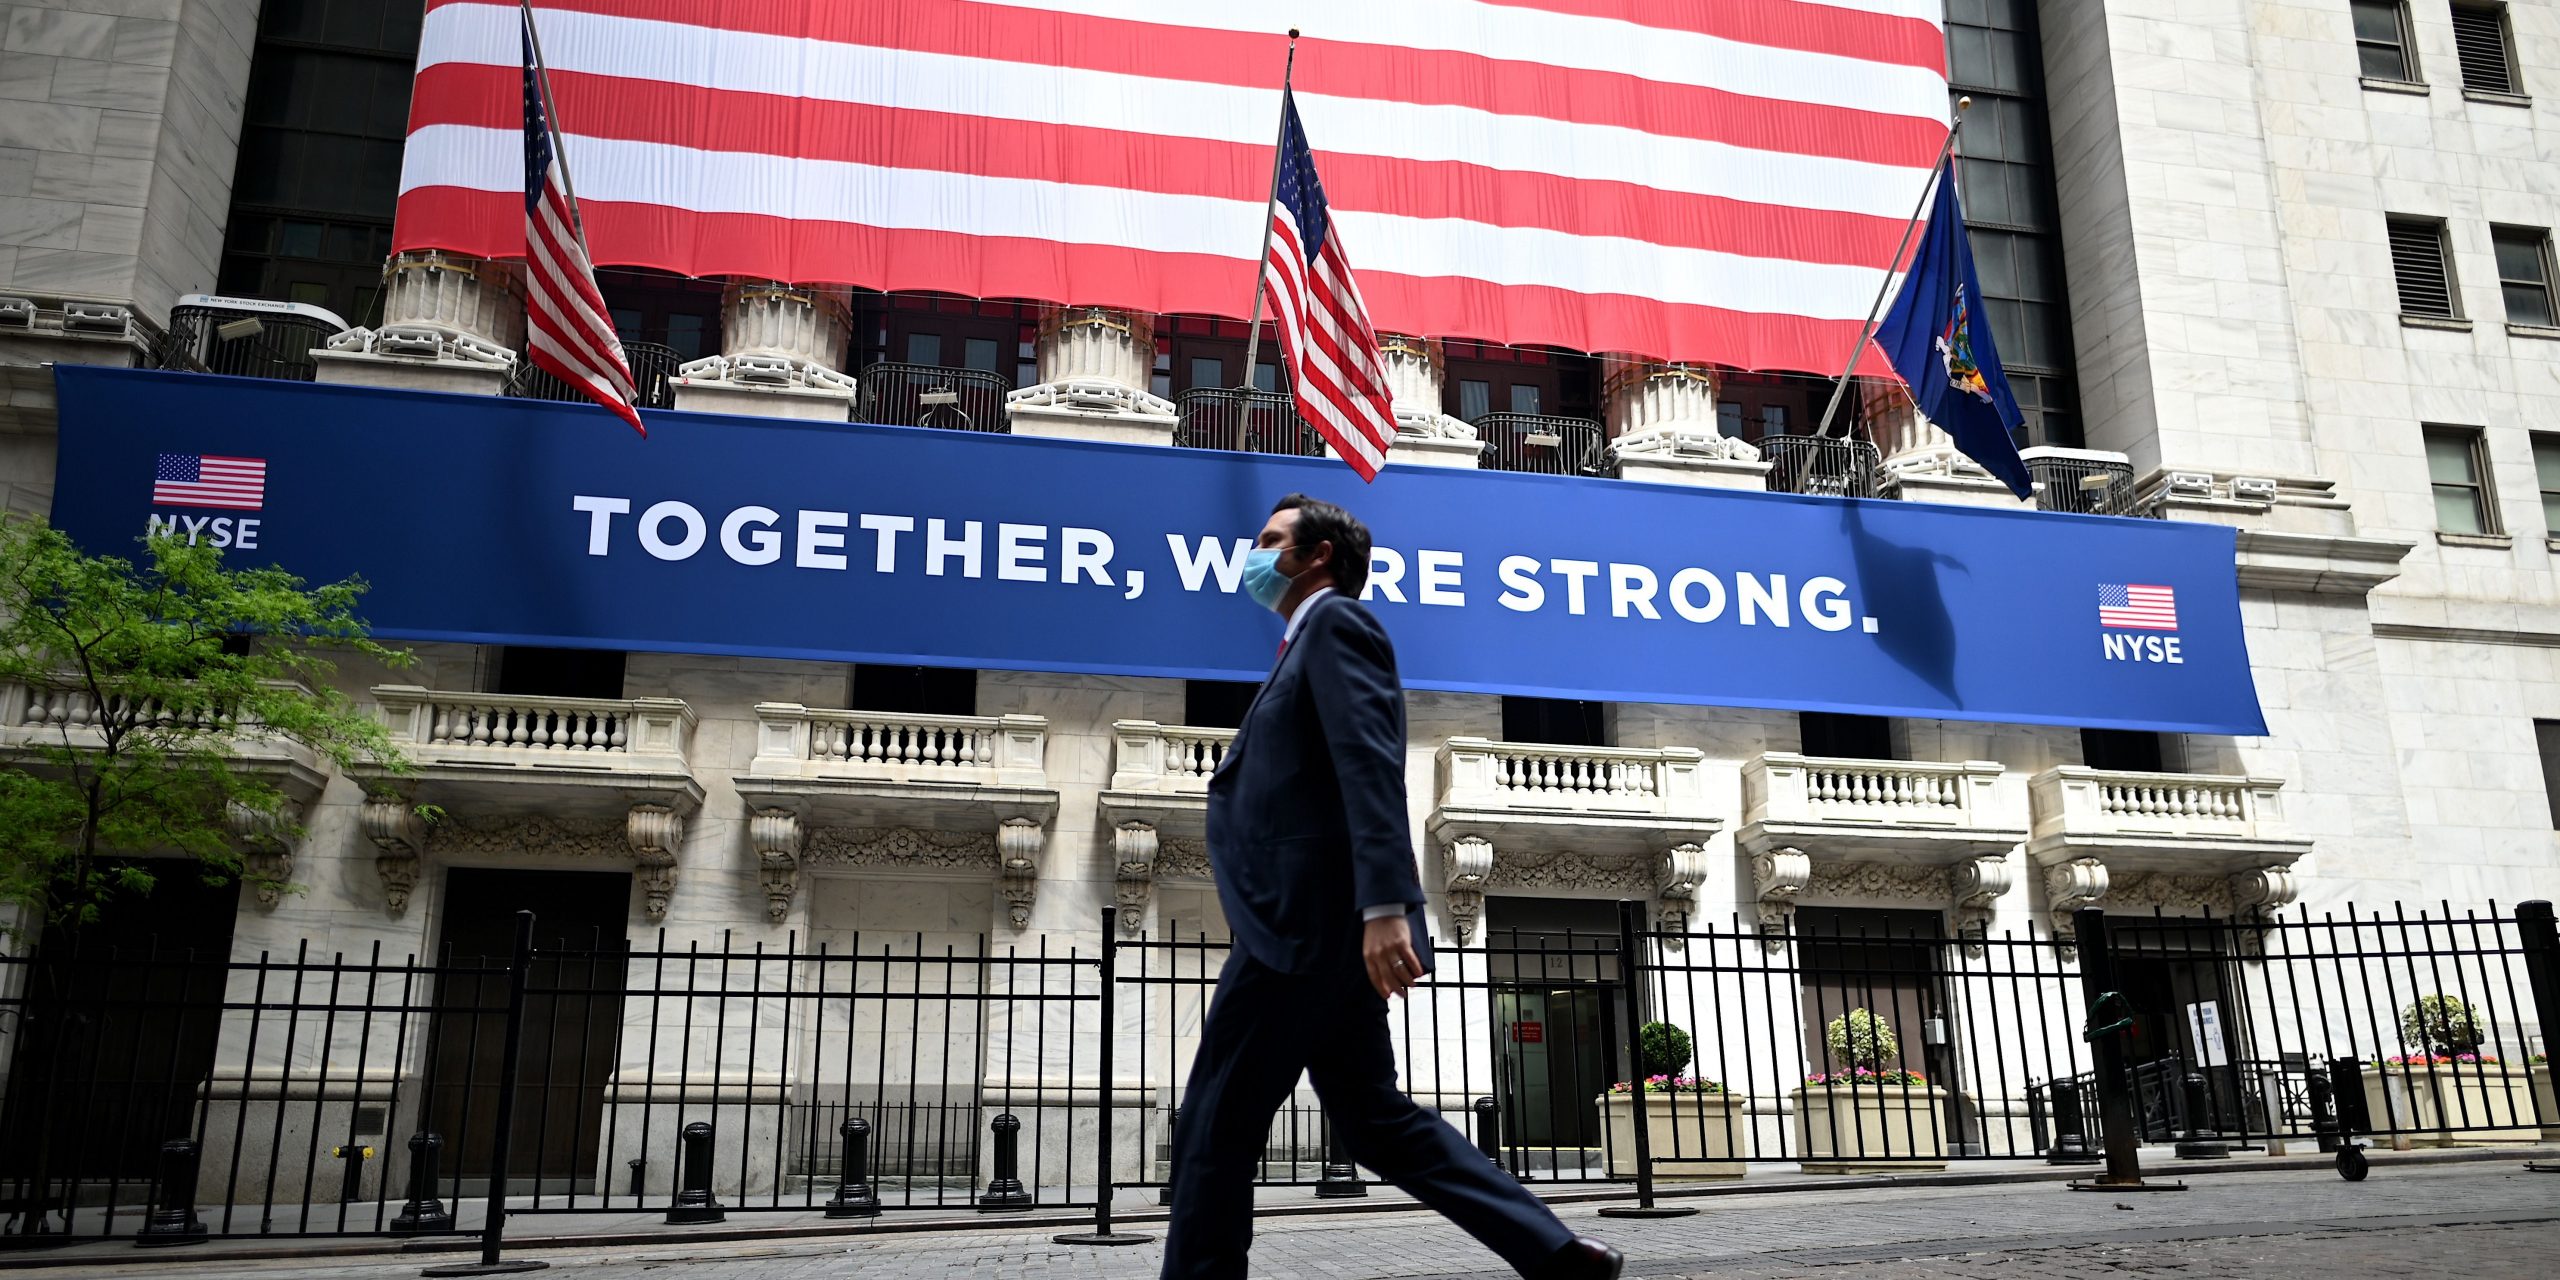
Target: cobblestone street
2492, 1220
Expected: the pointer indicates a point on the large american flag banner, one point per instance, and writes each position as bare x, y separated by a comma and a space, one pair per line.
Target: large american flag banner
1335, 370
1708, 180
568, 332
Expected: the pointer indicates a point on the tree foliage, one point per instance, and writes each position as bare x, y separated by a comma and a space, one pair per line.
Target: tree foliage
1666, 1048
139, 683
1859, 1038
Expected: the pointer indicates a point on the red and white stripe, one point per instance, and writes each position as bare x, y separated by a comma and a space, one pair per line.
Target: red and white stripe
1717, 180
568, 331
1336, 374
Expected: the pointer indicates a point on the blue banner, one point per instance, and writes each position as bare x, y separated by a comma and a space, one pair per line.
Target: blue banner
524, 522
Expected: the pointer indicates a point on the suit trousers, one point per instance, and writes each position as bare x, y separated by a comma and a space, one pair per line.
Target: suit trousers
1264, 1029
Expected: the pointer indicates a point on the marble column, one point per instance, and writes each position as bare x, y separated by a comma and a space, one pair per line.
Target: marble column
1096, 364
779, 347
1662, 427
1417, 373
449, 323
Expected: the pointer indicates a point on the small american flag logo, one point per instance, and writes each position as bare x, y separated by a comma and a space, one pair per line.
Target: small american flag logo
204, 480
2136, 607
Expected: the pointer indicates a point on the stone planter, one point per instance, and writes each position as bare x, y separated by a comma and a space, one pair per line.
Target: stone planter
1871, 1128
2429, 1103
2544, 1098
1689, 1126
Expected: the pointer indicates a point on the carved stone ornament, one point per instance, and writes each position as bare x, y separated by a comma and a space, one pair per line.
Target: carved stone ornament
1890, 880
775, 835
1568, 870
391, 823
2069, 886
655, 833
1467, 863
1018, 844
2173, 894
2260, 894
538, 835
1182, 860
1778, 877
901, 848
1978, 883
1134, 849
267, 844
1677, 875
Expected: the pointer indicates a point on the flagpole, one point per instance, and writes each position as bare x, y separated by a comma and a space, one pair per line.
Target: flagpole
559, 141
1262, 269
1884, 287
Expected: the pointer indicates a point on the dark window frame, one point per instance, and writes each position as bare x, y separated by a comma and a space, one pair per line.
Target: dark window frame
2484, 496
2501, 237
2546, 739
2546, 449
2406, 232
2404, 47
2471, 24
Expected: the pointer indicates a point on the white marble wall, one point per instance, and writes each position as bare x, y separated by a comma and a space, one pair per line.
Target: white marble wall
119, 126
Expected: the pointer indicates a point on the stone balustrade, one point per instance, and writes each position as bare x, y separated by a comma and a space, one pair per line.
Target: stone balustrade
2184, 843
1527, 816
438, 726
995, 750
2081, 803
1482, 774
1783, 787
1940, 834
1166, 758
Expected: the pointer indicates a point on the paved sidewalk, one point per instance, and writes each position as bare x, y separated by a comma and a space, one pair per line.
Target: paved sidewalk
2489, 1221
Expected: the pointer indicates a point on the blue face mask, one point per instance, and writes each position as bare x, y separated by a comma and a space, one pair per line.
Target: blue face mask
1262, 577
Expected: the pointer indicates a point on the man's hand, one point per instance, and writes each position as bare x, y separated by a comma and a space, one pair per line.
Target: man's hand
1387, 945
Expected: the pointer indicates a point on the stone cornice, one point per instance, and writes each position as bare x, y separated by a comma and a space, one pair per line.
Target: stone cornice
2467, 635
2325, 564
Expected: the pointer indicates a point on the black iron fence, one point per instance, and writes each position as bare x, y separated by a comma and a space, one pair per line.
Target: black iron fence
653, 378
922, 395
242, 342
170, 1097
1833, 465
1541, 444
1244, 422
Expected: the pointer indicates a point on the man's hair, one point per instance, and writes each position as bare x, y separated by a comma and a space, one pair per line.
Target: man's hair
1321, 521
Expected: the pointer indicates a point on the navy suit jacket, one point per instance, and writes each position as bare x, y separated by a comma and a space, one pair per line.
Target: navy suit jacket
1307, 819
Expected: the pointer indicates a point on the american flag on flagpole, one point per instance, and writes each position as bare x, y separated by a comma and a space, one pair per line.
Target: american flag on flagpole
1335, 370
568, 332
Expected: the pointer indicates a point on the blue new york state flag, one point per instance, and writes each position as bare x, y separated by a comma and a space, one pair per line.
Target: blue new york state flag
1938, 337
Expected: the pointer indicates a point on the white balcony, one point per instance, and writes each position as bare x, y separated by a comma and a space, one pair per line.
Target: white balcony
1907, 811
1160, 774
510, 753
36, 716
2182, 842
1604, 821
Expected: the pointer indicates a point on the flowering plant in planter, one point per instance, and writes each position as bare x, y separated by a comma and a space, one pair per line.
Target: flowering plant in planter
2540, 1059
1671, 1084
1864, 1076
2440, 1059
2443, 1024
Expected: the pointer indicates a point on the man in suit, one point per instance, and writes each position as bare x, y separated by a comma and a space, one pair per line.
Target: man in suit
1312, 850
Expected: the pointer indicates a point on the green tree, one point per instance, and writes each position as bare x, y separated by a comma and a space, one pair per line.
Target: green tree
1859, 1039
141, 679
1666, 1048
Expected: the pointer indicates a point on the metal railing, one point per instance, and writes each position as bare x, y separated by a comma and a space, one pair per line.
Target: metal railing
1244, 422
923, 395
2083, 482
178, 1095
252, 339
653, 378
1540, 444
1840, 468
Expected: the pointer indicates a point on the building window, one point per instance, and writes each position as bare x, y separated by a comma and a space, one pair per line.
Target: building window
2458, 469
2423, 263
915, 691
2524, 274
525, 671
1555, 721
2546, 736
2546, 469
1484, 378
1839, 736
2123, 750
2004, 176
2383, 46
1217, 704
945, 332
2487, 48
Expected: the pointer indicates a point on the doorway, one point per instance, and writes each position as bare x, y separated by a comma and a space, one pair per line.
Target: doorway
1888, 964
1558, 1025
572, 1020
2185, 1021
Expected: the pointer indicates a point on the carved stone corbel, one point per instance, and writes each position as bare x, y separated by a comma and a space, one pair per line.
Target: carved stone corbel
1467, 862
2069, 886
1133, 856
775, 835
1777, 877
1979, 882
655, 832
267, 846
1682, 868
1018, 844
392, 824
2260, 894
